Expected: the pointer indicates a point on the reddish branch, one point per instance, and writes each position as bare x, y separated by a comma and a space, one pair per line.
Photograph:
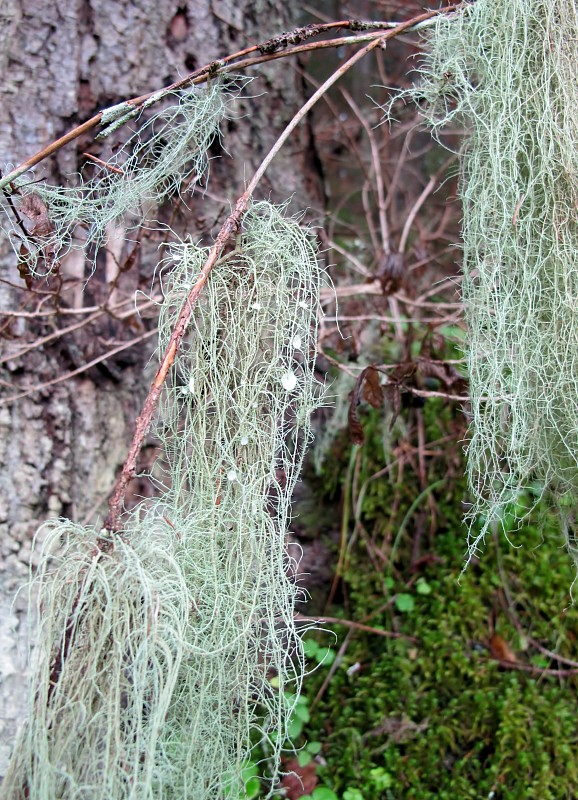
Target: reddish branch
112, 521
278, 47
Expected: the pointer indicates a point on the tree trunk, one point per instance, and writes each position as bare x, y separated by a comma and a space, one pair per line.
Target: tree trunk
60, 62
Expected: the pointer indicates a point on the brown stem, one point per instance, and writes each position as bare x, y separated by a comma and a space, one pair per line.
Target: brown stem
356, 626
112, 521
233, 62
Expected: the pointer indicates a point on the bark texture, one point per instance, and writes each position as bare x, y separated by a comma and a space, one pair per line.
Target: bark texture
60, 62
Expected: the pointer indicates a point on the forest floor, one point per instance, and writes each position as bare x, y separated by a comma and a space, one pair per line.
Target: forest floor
439, 683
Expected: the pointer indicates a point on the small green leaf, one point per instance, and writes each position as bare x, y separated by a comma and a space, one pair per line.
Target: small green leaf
404, 603
352, 794
323, 793
302, 713
310, 648
249, 771
253, 788
304, 758
294, 728
325, 656
423, 587
313, 747
381, 778
540, 661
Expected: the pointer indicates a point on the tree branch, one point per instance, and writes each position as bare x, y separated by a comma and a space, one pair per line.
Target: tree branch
269, 50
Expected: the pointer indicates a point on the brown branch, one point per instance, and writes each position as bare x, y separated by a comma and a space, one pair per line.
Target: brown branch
533, 670
112, 521
84, 368
357, 626
235, 61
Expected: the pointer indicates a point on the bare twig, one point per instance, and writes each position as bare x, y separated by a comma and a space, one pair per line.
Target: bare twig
420, 201
233, 62
98, 360
57, 334
539, 671
378, 172
357, 626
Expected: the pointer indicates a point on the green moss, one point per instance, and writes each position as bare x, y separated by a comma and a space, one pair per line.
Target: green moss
440, 717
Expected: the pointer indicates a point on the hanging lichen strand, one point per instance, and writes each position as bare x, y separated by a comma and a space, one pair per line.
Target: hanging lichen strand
236, 428
165, 155
160, 642
506, 69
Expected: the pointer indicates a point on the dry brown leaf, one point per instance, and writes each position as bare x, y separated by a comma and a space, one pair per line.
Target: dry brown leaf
299, 781
500, 649
372, 391
35, 209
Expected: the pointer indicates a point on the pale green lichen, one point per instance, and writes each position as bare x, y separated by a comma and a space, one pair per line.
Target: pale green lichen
165, 154
506, 71
157, 645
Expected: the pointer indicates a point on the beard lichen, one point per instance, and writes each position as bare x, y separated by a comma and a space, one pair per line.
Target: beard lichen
158, 645
506, 70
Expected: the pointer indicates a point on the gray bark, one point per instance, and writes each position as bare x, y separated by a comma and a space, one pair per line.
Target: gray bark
60, 62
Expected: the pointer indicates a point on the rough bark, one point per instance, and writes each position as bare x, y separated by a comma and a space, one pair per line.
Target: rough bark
60, 62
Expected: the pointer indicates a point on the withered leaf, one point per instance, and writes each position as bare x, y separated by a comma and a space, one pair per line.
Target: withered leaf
24, 266
448, 376
403, 372
372, 391
355, 429
500, 649
130, 260
33, 207
299, 781
392, 395
390, 272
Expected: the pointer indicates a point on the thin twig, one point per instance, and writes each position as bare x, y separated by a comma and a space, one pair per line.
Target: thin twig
57, 334
378, 172
420, 201
332, 671
510, 613
228, 64
98, 360
533, 670
348, 623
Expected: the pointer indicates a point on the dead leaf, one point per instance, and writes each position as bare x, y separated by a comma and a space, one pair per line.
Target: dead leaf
33, 207
403, 372
392, 395
500, 649
390, 272
372, 391
399, 729
299, 781
355, 428
24, 266
448, 376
